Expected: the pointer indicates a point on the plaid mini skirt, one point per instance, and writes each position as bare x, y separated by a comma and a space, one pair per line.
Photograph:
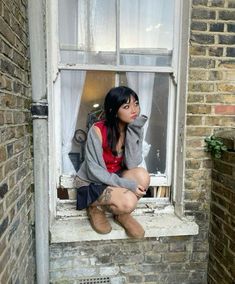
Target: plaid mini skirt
87, 193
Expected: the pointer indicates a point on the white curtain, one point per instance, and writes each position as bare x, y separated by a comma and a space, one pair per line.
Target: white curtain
142, 22
72, 83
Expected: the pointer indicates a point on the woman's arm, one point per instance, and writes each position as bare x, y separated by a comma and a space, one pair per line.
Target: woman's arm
134, 141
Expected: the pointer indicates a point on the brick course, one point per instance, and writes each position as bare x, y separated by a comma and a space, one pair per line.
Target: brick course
222, 226
16, 194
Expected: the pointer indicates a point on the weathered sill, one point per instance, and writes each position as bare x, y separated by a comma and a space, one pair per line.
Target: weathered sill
77, 228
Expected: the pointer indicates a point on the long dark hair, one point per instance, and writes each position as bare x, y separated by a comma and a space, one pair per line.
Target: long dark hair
113, 100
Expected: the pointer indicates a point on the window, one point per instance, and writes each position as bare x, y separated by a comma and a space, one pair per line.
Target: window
106, 43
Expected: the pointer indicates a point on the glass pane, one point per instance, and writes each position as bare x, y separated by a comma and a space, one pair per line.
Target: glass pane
146, 32
87, 31
153, 92
157, 130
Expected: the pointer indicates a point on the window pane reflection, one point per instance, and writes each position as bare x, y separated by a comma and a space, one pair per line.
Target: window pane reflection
87, 31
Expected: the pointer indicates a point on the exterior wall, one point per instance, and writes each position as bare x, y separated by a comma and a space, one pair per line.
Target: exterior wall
16, 191
210, 105
222, 227
211, 100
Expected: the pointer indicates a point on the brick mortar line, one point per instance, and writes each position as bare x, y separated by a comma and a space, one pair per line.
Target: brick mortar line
22, 15
8, 228
30, 249
211, 33
221, 185
7, 210
15, 109
224, 69
224, 233
15, 34
25, 31
221, 196
208, 104
195, 44
213, 273
4, 270
208, 114
202, 170
227, 163
211, 21
4, 1
13, 63
203, 6
13, 47
17, 261
197, 159
212, 81
212, 8
18, 95
23, 110
13, 157
16, 79
226, 247
223, 175
207, 94
15, 125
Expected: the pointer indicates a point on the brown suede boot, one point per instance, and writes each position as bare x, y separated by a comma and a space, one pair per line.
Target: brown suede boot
98, 220
132, 227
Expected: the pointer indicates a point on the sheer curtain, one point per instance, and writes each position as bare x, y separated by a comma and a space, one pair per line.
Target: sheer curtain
142, 22
72, 83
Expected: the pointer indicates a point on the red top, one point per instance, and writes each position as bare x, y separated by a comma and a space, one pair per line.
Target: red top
112, 162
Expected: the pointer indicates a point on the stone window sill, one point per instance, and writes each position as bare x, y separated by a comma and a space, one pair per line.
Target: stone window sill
76, 228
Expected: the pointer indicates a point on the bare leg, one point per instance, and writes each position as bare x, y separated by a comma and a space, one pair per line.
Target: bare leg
121, 200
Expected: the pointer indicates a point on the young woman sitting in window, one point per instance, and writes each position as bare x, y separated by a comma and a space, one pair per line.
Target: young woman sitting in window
109, 178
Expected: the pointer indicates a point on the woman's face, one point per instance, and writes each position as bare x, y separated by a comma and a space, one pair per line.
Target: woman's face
129, 111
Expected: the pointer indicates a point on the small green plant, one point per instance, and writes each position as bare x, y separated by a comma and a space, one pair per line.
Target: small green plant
215, 146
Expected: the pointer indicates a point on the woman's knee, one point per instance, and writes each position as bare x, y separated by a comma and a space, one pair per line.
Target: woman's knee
128, 204
140, 175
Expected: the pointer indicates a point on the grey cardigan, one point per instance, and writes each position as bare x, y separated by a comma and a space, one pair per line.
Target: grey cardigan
93, 169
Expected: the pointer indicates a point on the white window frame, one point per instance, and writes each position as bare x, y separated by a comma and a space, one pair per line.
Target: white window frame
176, 70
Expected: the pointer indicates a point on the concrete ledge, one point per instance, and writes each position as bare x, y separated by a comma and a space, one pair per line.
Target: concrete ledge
156, 225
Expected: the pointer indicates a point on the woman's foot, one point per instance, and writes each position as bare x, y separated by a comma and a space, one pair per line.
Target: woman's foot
98, 220
132, 227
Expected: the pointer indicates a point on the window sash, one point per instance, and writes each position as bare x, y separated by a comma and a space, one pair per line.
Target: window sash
156, 180
174, 58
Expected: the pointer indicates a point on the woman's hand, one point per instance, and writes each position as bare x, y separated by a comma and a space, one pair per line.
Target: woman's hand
140, 191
